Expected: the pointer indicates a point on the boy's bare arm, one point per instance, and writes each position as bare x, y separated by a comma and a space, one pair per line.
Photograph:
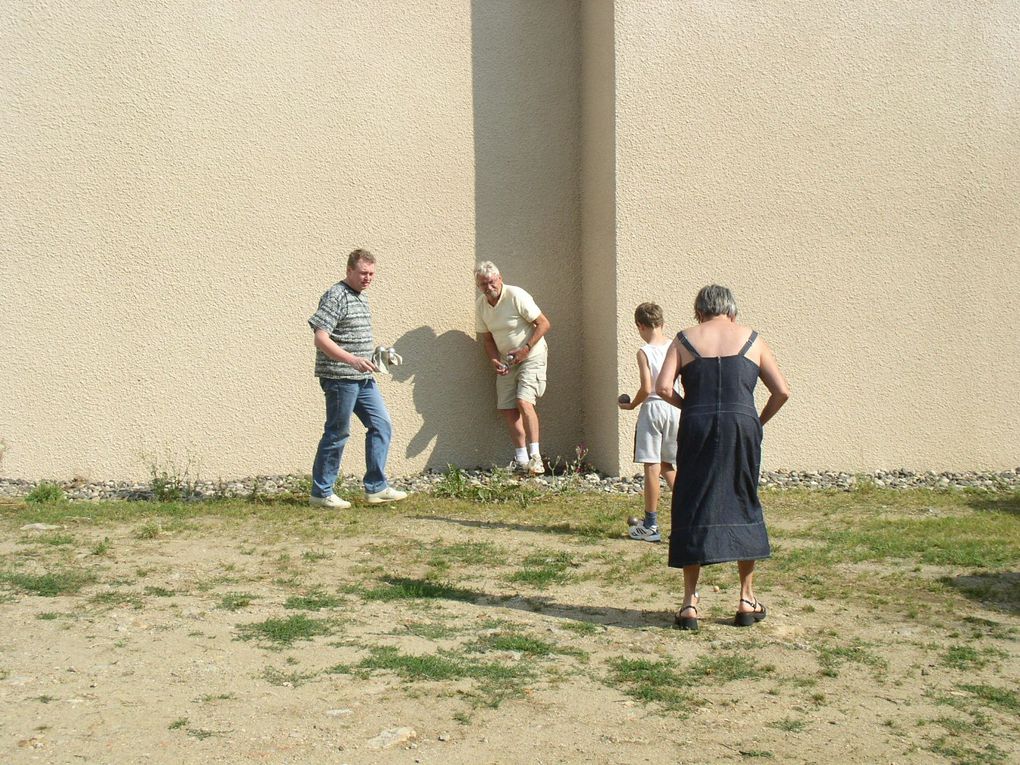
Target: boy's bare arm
645, 381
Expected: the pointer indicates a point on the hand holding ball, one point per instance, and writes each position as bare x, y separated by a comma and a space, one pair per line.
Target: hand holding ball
624, 399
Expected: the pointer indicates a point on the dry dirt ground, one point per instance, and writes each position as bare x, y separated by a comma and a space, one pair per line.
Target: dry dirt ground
191, 639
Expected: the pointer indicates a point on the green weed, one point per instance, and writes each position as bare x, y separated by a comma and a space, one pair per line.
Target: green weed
652, 682
313, 601
408, 589
235, 601
285, 631
102, 548
541, 570
275, 676
1000, 698
46, 493
65, 582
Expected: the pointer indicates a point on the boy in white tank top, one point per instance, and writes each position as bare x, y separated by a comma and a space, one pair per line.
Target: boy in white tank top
656, 430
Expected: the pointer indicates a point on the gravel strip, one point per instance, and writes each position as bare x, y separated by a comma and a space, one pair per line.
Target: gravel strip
271, 485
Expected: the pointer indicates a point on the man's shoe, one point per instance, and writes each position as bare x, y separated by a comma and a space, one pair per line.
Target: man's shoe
333, 502
535, 466
389, 494
643, 534
517, 467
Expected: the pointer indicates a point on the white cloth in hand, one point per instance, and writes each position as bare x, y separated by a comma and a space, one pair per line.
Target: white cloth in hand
384, 357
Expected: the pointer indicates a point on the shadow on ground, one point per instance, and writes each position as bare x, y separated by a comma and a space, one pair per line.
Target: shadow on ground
607, 617
565, 529
998, 591
997, 503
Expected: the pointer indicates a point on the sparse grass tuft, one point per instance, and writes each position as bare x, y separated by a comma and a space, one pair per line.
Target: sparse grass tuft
293, 679
316, 600
408, 589
285, 631
46, 493
541, 570
234, 601
653, 682
64, 582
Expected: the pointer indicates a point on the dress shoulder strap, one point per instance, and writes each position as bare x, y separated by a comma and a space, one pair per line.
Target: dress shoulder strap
749, 343
687, 344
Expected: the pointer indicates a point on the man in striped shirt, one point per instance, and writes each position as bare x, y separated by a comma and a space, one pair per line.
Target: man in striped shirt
343, 342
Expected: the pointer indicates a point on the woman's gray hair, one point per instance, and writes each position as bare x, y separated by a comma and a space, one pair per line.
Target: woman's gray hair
487, 269
714, 300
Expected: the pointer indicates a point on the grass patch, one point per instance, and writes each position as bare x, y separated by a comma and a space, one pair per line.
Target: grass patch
652, 682
235, 601
275, 676
499, 488
788, 724
65, 582
527, 645
282, 632
830, 658
46, 493
101, 548
314, 555
114, 598
494, 682
581, 628
540, 570
726, 668
54, 540
991, 696
159, 592
411, 589
313, 601
429, 630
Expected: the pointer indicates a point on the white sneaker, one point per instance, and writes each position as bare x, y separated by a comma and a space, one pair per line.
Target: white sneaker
535, 466
642, 534
517, 467
389, 494
333, 502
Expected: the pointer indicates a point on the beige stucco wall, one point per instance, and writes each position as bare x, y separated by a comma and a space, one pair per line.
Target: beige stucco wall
852, 172
181, 183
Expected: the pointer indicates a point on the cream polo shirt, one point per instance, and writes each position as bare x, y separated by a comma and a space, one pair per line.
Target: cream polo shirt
509, 320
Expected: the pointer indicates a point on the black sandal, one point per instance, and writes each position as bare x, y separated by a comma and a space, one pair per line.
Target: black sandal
747, 618
686, 622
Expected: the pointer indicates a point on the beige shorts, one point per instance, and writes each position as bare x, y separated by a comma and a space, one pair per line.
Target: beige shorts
656, 431
526, 382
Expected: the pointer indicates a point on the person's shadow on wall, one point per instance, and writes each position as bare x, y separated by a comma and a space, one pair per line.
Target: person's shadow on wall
453, 392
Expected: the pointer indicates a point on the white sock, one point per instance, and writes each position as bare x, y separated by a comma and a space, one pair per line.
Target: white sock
521, 455
533, 449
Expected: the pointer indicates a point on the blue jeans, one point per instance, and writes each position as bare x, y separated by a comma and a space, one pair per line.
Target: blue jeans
343, 397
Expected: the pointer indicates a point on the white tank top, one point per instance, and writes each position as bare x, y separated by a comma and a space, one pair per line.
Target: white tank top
656, 354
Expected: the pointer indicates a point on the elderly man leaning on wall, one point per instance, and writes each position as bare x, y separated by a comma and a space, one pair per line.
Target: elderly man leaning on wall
512, 329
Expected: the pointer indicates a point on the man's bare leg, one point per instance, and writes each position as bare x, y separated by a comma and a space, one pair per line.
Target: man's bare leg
530, 418
515, 426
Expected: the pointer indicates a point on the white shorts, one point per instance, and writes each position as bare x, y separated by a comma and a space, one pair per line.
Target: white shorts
656, 432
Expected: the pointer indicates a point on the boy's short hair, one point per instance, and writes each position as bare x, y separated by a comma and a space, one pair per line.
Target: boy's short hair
648, 315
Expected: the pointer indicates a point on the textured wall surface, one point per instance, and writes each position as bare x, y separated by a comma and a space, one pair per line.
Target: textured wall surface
181, 182
852, 172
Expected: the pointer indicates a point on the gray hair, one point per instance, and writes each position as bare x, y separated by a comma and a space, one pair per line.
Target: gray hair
714, 300
487, 269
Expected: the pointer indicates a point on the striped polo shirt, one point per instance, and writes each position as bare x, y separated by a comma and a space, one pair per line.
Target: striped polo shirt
344, 314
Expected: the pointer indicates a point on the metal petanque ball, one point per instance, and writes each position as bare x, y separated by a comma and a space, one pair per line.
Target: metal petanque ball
624, 399
634, 521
